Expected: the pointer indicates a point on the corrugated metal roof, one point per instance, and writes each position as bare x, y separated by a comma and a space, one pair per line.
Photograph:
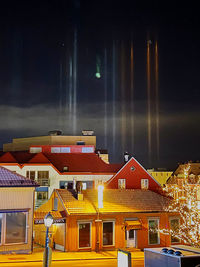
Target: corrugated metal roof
12, 179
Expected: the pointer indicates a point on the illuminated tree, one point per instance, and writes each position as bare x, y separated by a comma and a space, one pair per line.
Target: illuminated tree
184, 191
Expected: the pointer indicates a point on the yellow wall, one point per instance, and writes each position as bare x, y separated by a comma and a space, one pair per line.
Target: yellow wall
20, 144
160, 176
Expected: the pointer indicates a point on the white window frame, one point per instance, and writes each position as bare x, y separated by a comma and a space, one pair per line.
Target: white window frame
3, 228
145, 184
171, 219
121, 181
82, 222
158, 220
106, 221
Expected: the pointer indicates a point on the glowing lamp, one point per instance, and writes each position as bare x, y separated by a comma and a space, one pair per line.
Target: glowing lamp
48, 220
100, 196
98, 75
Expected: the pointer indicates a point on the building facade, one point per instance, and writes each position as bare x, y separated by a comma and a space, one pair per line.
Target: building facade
127, 219
16, 212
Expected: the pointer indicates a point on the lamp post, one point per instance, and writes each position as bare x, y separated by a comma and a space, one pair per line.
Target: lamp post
100, 206
48, 220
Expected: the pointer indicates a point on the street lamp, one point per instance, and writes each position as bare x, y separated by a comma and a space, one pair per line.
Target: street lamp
48, 220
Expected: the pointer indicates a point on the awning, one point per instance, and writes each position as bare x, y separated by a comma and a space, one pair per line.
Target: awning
133, 225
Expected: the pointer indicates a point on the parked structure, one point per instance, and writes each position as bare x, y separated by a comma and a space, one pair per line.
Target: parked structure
16, 212
128, 218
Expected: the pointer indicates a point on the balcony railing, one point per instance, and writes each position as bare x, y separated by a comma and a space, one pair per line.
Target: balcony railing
44, 182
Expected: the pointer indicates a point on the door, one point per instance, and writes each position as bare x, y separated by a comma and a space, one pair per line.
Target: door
131, 238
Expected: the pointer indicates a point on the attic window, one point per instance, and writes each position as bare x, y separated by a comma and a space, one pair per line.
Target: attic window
55, 204
144, 183
65, 168
132, 168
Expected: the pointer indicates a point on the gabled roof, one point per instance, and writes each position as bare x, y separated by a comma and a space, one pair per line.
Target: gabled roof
74, 206
130, 200
7, 158
87, 162
22, 156
114, 201
39, 158
133, 172
12, 179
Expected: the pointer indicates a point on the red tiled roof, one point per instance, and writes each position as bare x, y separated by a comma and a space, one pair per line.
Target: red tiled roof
7, 158
12, 179
86, 162
22, 156
39, 158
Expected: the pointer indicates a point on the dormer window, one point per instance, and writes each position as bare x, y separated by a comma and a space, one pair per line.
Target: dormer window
144, 183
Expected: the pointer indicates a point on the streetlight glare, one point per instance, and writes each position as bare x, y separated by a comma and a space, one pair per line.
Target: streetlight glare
100, 196
48, 220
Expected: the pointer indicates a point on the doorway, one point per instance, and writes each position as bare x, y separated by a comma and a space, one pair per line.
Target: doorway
131, 237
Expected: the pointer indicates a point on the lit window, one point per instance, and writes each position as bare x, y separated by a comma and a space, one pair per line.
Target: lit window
55, 150
144, 183
35, 149
65, 150
30, 175
121, 183
174, 225
153, 227
84, 235
87, 149
13, 228
108, 233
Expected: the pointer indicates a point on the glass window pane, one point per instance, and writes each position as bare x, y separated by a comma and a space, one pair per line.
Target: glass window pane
174, 224
84, 235
153, 232
107, 233
15, 227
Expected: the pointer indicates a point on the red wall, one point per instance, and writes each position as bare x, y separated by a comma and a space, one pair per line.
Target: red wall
133, 177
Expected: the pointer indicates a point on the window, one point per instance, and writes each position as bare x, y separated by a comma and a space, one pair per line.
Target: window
144, 183
132, 168
153, 225
108, 233
80, 143
43, 178
84, 234
35, 149
174, 225
55, 150
30, 175
121, 183
87, 150
65, 150
13, 228
42, 195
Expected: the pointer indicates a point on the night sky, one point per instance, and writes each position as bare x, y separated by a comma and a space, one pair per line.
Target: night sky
50, 52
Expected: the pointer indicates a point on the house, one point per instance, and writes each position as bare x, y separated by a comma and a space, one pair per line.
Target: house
133, 176
16, 212
128, 218
58, 170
